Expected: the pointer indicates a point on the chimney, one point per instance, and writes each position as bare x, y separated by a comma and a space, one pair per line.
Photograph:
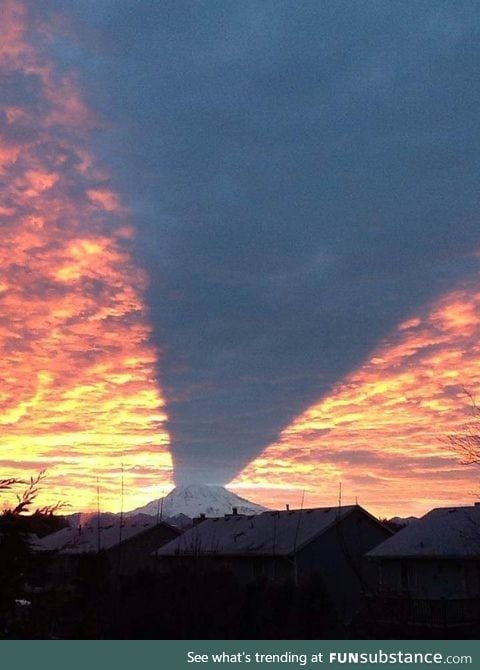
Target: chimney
199, 519
234, 511
287, 507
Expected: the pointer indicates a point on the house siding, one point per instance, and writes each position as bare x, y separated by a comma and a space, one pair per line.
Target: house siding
135, 554
430, 578
127, 558
338, 557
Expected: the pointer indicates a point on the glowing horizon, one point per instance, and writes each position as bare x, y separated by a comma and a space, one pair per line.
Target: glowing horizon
79, 395
381, 431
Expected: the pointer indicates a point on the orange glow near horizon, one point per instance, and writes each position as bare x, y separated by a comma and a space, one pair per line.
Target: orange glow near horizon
78, 390
381, 431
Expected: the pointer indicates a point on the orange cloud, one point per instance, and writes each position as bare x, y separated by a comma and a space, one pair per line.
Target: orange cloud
105, 198
78, 389
381, 431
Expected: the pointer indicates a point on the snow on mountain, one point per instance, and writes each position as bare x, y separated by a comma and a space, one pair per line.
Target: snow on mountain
196, 499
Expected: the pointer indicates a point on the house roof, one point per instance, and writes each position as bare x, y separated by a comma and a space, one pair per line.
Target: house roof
92, 536
450, 532
266, 534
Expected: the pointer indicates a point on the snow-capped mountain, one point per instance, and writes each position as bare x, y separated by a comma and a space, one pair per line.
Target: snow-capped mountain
196, 499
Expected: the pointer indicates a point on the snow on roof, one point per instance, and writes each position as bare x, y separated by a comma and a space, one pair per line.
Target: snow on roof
92, 536
267, 534
181, 521
451, 532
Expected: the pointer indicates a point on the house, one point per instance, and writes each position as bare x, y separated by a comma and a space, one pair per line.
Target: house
429, 572
181, 521
126, 544
326, 543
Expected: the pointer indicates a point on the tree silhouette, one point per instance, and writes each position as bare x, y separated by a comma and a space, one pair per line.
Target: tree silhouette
26, 499
467, 442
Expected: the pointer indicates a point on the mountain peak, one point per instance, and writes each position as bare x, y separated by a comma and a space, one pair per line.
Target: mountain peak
195, 499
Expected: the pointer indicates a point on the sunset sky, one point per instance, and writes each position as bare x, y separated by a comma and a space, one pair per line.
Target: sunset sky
240, 245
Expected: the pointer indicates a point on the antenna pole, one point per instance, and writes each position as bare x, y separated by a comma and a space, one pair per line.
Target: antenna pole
340, 495
98, 516
295, 567
121, 508
159, 513
160, 507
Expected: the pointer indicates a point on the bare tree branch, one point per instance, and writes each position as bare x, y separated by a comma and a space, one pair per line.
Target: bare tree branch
28, 495
50, 510
467, 443
6, 484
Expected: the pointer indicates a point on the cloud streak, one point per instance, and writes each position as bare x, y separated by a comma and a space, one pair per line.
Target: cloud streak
382, 430
78, 391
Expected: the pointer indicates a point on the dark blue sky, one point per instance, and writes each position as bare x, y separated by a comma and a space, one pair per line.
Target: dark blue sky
302, 176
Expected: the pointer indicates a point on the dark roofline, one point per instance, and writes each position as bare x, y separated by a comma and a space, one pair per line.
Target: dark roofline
146, 530
425, 557
450, 507
351, 509
213, 554
409, 554
347, 511
65, 552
